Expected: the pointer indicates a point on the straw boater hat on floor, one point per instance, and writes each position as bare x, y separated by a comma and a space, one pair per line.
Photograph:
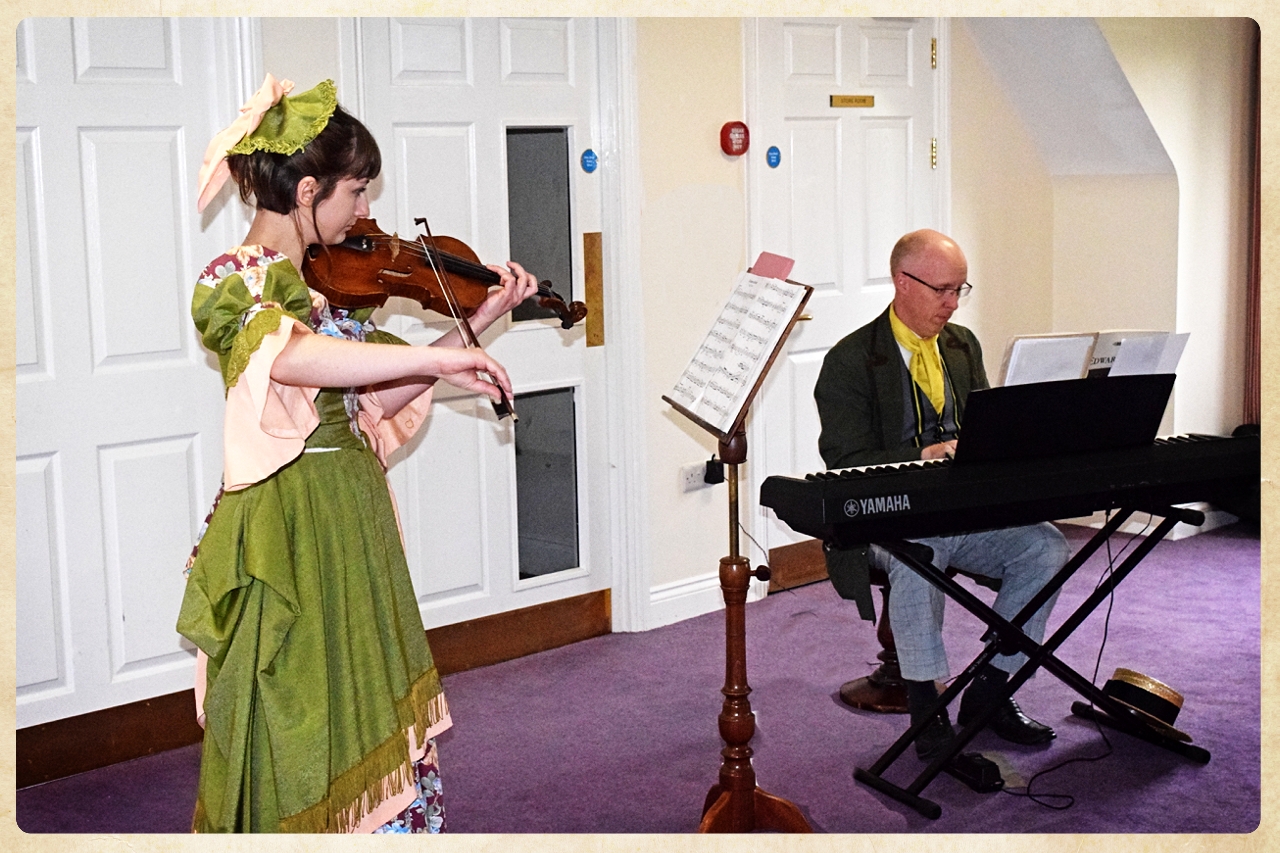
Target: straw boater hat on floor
1155, 702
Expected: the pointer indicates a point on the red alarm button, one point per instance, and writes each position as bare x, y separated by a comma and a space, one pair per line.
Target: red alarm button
734, 138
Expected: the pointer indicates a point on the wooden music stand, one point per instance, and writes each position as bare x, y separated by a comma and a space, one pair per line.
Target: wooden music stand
735, 803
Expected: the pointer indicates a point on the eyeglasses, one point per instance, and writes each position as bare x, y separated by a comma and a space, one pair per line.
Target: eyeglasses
958, 292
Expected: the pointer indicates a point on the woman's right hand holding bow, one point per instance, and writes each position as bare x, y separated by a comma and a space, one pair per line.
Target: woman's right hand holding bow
319, 361
469, 369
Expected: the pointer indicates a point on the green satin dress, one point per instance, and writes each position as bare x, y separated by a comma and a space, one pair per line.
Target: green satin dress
300, 596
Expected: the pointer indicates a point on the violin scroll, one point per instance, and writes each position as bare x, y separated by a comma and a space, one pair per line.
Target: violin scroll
568, 314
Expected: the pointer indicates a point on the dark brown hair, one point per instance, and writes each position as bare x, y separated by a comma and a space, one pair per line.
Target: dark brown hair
344, 149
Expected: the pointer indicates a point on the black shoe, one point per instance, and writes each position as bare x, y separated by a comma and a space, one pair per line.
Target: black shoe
1008, 722
935, 738
979, 773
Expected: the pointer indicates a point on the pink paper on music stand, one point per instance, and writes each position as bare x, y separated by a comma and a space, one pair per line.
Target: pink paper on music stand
770, 265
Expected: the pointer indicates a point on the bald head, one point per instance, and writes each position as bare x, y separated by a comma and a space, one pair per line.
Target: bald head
922, 262
924, 241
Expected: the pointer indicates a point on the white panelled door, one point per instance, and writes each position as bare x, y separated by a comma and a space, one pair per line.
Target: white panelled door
119, 411
443, 97
848, 182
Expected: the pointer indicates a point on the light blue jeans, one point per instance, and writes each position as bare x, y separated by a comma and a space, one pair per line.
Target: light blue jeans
1024, 558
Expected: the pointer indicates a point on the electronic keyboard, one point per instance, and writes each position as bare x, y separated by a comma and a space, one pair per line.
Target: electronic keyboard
914, 499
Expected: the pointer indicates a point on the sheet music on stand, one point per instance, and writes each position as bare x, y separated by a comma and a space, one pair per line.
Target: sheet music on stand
724, 374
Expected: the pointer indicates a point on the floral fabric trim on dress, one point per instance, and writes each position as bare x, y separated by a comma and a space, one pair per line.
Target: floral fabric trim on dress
426, 812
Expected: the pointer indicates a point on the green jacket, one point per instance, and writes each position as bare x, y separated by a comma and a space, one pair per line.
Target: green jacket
860, 405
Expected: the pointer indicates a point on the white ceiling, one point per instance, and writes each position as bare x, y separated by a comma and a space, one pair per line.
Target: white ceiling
1063, 80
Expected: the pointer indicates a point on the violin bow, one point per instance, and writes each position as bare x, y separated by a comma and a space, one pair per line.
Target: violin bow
502, 407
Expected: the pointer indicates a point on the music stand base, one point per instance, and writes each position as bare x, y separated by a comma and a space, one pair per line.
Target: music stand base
767, 813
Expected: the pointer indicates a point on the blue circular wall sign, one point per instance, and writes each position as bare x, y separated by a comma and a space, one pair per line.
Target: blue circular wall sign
589, 161
773, 156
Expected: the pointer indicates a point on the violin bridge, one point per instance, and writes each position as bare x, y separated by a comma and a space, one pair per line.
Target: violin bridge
395, 246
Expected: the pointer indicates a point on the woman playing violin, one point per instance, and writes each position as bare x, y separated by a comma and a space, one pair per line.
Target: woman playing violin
315, 684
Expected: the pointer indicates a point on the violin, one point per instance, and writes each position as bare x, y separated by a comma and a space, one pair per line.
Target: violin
370, 265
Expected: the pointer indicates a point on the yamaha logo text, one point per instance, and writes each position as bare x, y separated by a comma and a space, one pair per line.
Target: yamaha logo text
873, 506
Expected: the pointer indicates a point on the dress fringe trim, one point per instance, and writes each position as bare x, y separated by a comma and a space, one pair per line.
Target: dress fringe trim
385, 771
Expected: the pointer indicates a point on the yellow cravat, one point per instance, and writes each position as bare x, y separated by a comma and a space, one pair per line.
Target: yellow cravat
926, 365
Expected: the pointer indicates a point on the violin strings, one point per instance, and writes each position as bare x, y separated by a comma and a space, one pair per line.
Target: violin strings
426, 253
464, 328
442, 276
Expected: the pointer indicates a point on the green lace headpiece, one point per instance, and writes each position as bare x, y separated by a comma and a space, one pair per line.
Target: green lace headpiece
288, 126
270, 121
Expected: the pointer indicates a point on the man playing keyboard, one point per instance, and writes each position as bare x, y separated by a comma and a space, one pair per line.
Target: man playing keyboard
893, 391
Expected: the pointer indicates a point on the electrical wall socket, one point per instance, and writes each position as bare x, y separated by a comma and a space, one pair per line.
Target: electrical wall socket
691, 476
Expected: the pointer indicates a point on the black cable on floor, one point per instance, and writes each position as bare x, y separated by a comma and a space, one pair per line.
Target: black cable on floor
1043, 799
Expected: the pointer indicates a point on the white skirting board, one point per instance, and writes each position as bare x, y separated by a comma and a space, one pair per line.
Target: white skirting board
684, 599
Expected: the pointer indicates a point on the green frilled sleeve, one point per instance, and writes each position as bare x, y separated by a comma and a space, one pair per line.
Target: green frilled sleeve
232, 321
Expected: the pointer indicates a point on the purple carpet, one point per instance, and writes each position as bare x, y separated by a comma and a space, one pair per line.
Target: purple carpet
619, 733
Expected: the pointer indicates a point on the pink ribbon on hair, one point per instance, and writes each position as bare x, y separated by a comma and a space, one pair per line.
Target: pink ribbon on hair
214, 171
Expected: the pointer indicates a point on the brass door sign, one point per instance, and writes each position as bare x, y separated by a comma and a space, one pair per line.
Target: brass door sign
853, 100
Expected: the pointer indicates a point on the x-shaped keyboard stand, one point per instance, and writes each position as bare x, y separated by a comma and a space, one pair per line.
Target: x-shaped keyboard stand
1007, 637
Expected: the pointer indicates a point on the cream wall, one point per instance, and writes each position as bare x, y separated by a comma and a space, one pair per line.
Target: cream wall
1192, 77
1001, 207
693, 245
1050, 253
1115, 257
1115, 252
1124, 251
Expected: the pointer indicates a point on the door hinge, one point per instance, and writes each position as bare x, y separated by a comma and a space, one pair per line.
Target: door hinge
933, 153
933, 53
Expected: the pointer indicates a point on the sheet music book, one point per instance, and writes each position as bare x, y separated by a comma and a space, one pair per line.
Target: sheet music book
725, 372
1057, 357
1046, 358
1135, 352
